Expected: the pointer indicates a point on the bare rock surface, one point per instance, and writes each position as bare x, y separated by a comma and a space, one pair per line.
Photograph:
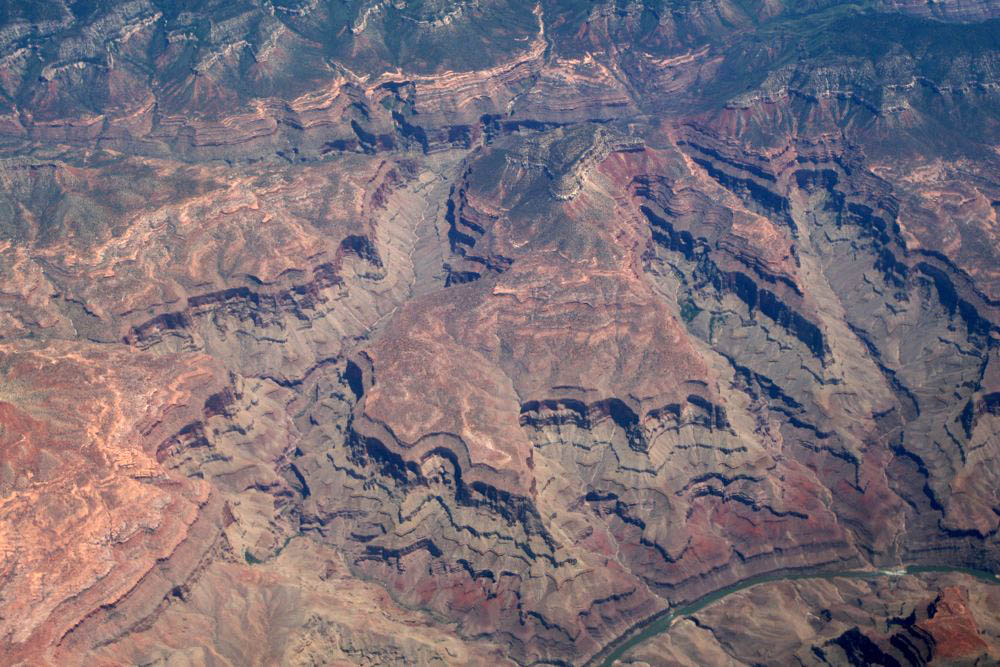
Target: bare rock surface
909, 620
485, 332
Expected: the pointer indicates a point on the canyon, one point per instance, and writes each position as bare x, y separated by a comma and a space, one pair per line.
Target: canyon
456, 332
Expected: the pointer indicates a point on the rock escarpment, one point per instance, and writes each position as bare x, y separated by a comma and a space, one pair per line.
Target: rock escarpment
480, 332
908, 621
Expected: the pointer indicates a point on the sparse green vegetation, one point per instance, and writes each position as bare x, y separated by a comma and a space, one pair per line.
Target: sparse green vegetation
689, 310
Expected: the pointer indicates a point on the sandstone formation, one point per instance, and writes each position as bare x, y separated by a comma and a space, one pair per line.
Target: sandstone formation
485, 332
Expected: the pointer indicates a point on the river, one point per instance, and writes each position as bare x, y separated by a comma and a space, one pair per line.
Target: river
663, 622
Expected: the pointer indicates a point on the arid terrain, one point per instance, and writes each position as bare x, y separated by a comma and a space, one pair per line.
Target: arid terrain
487, 332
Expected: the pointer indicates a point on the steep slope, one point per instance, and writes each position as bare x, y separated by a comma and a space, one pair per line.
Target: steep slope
482, 332
913, 620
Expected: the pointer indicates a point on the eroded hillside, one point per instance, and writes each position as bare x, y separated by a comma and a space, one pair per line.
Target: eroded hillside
484, 332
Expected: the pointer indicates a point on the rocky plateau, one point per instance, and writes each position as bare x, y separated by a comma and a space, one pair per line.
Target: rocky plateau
488, 332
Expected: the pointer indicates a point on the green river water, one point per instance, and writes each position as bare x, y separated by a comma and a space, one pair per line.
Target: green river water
662, 623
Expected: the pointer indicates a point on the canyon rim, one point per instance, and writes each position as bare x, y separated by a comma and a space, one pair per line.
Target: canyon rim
489, 332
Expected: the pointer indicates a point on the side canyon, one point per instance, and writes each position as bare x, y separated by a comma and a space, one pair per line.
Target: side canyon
486, 332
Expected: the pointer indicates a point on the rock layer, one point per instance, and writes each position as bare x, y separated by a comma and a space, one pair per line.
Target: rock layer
481, 332
913, 620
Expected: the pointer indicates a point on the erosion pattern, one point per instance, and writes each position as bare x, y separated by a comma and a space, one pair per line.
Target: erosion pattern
483, 332
908, 621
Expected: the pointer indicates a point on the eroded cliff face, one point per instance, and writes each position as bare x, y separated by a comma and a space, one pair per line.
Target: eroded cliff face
908, 621
479, 332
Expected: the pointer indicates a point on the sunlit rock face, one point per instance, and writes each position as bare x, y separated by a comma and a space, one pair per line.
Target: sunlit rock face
485, 332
